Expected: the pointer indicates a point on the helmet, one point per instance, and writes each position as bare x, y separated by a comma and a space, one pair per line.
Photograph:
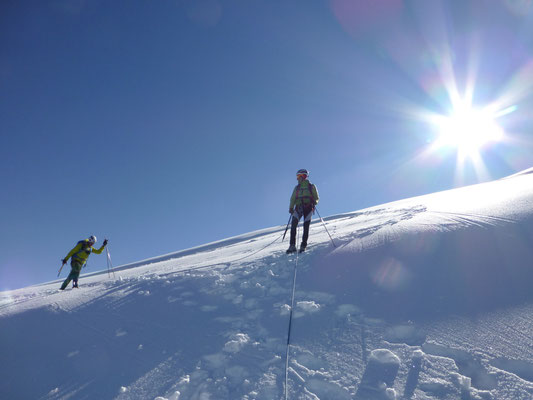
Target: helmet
92, 239
303, 172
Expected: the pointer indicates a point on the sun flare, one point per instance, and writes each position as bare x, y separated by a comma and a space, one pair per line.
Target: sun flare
468, 129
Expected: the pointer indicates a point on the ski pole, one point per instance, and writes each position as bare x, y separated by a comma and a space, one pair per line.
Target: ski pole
109, 263
323, 223
60, 269
287, 227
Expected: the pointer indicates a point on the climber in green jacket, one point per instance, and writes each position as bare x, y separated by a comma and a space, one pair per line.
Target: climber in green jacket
303, 201
79, 255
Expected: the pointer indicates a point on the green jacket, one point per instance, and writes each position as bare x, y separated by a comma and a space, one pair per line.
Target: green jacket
81, 252
304, 193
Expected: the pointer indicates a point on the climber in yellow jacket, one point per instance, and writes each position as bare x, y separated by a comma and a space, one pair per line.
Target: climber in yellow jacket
79, 255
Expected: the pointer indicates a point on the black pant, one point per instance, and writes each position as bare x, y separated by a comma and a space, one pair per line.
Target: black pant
301, 211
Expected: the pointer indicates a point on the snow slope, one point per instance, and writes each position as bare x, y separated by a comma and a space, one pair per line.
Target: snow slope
425, 298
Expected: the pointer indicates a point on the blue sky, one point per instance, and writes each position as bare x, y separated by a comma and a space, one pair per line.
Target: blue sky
168, 124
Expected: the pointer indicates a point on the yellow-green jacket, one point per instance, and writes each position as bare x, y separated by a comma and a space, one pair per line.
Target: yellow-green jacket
304, 193
81, 252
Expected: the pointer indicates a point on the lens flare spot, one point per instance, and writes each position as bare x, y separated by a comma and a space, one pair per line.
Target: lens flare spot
391, 274
358, 17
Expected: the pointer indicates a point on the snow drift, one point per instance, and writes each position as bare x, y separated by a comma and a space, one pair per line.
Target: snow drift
425, 298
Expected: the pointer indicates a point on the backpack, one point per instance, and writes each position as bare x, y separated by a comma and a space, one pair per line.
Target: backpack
310, 188
85, 248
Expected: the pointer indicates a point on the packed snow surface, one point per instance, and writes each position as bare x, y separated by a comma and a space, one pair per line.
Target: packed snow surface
425, 298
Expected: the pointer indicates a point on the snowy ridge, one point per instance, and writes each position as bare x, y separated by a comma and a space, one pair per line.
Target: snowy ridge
425, 298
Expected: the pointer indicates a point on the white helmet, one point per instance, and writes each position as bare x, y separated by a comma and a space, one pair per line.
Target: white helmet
303, 172
92, 239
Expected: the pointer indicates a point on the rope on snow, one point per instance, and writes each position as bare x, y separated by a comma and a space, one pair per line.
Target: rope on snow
290, 324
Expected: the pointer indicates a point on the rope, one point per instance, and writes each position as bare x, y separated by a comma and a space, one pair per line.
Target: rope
227, 263
255, 252
290, 323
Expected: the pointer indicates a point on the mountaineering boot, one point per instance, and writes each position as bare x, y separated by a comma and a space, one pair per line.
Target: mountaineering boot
302, 247
291, 249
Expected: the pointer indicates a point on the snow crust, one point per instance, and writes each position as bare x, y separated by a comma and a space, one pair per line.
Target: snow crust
425, 298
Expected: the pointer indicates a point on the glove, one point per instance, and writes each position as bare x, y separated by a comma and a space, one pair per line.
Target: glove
105, 242
64, 261
291, 210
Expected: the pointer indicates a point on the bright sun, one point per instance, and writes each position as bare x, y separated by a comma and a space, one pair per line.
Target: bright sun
468, 130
